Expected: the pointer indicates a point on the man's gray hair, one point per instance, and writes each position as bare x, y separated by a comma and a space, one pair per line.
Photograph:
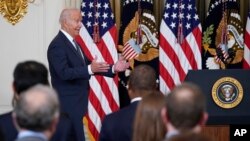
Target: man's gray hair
66, 14
37, 108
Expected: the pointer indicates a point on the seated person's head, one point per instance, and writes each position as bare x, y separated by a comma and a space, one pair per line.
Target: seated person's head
185, 108
27, 74
141, 81
148, 124
37, 110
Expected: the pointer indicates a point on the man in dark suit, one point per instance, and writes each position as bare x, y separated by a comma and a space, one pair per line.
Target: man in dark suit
36, 114
27, 74
70, 69
117, 126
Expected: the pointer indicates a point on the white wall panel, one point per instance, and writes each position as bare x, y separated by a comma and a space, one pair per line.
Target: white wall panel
27, 40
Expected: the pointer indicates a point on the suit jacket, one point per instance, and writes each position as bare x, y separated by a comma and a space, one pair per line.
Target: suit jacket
8, 128
118, 126
70, 77
64, 131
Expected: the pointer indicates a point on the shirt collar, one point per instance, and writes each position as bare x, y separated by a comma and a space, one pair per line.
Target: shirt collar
171, 134
136, 99
69, 37
28, 133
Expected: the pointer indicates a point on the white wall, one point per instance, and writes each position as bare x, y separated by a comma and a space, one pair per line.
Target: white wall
27, 40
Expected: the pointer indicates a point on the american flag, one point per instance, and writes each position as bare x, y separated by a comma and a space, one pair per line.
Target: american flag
180, 42
131, 50
246, 62
103, 95
223, 36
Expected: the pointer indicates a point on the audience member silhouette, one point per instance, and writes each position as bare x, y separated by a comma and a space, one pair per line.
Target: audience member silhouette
36, 114
148, 125
27, 74
185, 110
117, 126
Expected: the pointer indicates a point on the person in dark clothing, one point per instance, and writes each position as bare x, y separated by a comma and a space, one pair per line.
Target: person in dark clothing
27, 74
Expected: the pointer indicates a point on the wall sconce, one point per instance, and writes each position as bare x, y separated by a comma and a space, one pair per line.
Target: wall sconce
14, 10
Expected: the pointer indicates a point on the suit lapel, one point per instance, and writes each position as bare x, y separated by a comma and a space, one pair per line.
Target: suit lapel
69, 44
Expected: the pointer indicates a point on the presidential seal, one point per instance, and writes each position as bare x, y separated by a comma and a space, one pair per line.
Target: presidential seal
227, 92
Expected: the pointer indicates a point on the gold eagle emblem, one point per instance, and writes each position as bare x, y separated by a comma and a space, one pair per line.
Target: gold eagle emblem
150, 42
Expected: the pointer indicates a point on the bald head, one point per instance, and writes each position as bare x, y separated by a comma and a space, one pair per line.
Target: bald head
37, 108
185, 106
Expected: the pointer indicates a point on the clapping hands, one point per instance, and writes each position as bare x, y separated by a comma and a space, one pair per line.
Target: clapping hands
99, 66
121, 65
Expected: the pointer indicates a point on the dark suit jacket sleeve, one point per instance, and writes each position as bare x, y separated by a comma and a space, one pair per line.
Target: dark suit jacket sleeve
59, 61
108, 74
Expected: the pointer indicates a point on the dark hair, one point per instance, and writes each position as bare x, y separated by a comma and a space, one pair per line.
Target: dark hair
148, 125
143, 77
185, 106
28, 74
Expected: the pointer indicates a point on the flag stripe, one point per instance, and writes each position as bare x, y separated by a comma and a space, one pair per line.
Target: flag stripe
192, 39
166, 79
107, 88
92, 127
97, 87
163, 86
168, 68
91, 54
108, 49
108, 93
103, 95
95, 101
171, 52
177, 56
246, 61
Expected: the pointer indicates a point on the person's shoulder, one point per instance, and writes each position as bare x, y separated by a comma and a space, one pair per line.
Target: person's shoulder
122, 113
130, 109
57, 39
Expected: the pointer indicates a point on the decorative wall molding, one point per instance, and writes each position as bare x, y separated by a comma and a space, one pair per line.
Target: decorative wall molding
73, 3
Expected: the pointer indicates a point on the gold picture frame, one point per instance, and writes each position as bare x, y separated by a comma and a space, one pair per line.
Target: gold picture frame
13, 10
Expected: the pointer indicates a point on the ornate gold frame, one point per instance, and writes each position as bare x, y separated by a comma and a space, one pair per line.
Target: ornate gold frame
13, 10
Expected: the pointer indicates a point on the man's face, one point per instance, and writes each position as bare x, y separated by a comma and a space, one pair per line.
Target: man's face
74, 23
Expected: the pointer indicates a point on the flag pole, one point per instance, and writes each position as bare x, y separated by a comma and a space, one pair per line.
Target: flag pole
139, 38
96, 33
